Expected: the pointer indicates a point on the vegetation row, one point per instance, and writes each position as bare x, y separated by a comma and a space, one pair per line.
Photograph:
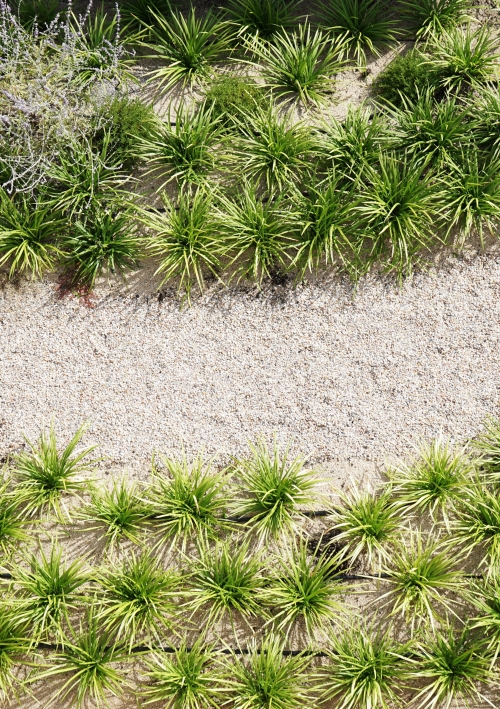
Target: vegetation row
230, 184
218, 588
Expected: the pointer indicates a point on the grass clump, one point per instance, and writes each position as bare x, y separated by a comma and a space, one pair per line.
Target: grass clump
12, 520
267, 678
39, 12
431, 17
433, 482
365, 668
188, 501
228, 96
299, 66
477, 526
486, 599
274, 488
184, 240
119, 513
305, 587
366, 523
453, 666
226, 581
261, 19
488, 447
363, 26
44, 474
407, 77
420, 573
15, 648
189, 680
47, 592
139, 598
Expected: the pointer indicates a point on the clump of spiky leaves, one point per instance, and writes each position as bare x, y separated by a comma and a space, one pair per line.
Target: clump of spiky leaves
118, 512
261, 18
15, 647
100, 242
187, 46
28, 230
139, 14
274, 488
45, 474
464, 57
327, 235
273, 148
488, 447
183, 149
184, 240
226, 580
428, 18
486, 599
259, 234
431, 131
471, 184
12, 519
300, 66
478, 525
269, 678
365, 668
363, 26
87, 661
306, 587
397, 213
139, 597
365, 524
453, 666
189, 680
188, 500
485, 114
45, 593
434, 481
37, 12
420, 574
349, 145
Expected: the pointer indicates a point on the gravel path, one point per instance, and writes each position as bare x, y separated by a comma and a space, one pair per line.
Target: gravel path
341, 377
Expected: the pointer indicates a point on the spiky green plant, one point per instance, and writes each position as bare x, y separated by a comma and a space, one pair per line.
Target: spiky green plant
488, 447
478, 525
139, 14
453, 667
87, 661
101, 242
465, 57
13, 520
273, 148
44, 474
365, 669
39, 12
118, 512
28, 232
434, 481
15, 647
431, 131
420, 573
261, 18
367, 523
190, 679
428, 18
47, 592
226, 581
274, 488
184, 149
305, 587
184, 240
267, 678
486, 599
363, 26
484, 110
139, 597
188, 500
471, 190
187, 45
258, 234
397, 210
327, 235
299, 66
356, 141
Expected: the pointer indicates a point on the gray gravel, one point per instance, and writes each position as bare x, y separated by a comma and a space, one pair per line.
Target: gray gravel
341, 377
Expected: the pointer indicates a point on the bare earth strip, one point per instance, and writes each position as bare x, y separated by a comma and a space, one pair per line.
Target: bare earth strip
341, 377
